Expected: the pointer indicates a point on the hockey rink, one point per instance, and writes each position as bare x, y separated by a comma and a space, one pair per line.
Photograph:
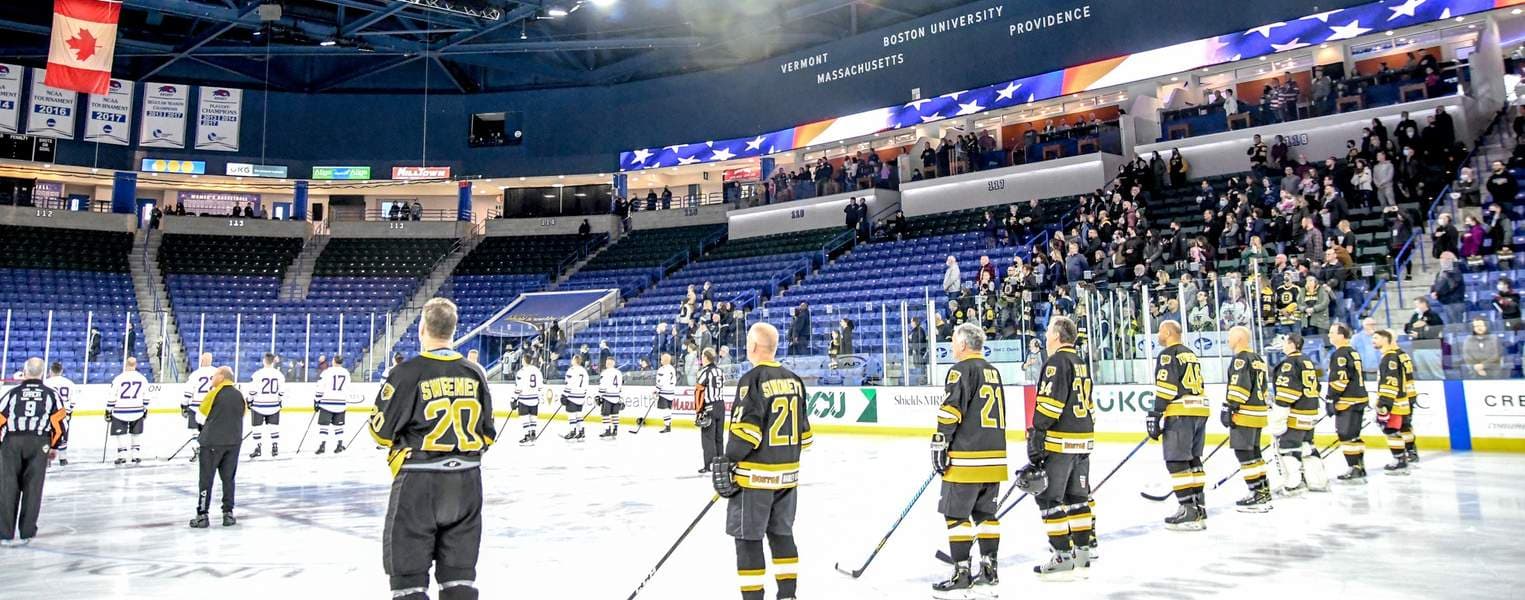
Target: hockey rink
589, 520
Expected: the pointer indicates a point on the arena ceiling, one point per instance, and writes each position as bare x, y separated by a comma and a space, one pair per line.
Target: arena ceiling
456, 46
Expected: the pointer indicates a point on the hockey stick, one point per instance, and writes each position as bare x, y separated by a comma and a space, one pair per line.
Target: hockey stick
1263, 451
642, 423
943, 556
308, 430
713, 499
182, 447
1162, 497
859, 571
362, 427
548, 420
105, 445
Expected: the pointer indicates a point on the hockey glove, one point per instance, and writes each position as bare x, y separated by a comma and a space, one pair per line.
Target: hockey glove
1152, 424
1227, 418
1329, 408
1383, 408
723, 477
940, 459
1035, 452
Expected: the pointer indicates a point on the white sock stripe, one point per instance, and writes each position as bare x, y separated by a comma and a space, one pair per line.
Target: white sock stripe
458, 583
752, 580
964, 530
413, 590
786, 569
986, 528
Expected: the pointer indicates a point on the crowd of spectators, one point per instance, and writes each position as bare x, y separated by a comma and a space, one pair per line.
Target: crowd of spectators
860, 171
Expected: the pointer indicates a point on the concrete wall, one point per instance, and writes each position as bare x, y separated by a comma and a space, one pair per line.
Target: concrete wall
550, 225
804, 215
399, 229
680, 217
1048, 179
235, 226
64, 219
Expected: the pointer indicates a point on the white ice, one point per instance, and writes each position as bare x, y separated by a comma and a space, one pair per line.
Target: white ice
589, 520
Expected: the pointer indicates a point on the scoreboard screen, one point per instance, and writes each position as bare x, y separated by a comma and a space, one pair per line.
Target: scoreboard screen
26, 147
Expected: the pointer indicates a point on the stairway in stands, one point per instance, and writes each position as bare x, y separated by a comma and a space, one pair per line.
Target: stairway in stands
298, 279
159, 330
407, 318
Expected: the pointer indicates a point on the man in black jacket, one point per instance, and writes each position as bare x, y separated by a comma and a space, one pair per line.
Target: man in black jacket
709, 402
1502, 188
799, 331
1449, 290
222, 430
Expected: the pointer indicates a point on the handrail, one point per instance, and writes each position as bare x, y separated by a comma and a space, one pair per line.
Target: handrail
841, 240
719, 236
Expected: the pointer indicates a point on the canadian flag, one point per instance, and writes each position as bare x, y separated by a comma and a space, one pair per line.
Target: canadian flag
84, 41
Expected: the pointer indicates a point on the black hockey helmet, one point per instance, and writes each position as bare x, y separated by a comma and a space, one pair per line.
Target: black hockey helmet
1032, 480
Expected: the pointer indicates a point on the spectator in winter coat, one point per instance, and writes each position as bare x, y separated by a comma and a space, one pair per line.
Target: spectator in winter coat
1481, 352
1507, 303
952, 284
1446, 238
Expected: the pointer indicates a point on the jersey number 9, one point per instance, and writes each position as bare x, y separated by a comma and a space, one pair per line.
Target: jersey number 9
461, 416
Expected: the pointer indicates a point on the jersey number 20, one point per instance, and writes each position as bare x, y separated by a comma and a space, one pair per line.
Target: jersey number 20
461, 416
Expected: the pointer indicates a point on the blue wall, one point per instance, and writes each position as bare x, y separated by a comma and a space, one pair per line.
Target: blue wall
582, 130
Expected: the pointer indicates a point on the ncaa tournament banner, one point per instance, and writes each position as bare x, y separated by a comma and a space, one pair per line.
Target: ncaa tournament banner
217, 116
110, 118
164, 109
10, 98
52, 112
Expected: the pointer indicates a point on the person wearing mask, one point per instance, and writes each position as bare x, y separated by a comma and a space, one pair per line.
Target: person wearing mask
1179, 168
1446, 238
1448, 290
1506, 302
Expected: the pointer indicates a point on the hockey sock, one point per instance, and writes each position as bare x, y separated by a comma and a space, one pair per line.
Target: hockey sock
1395, 444
750, 568
1182, 479
1091, 504
135, 445
456, 583
988, 531
1056, 523
275, 434
786, 564
410, 587
1408, 438
1355, 452
121, 445
338, 433
322, 433
1198, 481
667, 420
529, 426
960, 538
1079, 517
1253, 468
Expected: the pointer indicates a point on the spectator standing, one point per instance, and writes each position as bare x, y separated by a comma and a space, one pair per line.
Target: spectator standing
1507, 303
666, 198
1472, 237
845, 334
1383, 176
952, 285
1365, 346
1258, 153
1323, 94
1502, 189
799, 331
1446, 237
1178, 168
1481, 352
418, 210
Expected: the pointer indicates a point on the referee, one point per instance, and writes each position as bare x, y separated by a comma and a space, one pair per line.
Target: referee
31, 423
709, 409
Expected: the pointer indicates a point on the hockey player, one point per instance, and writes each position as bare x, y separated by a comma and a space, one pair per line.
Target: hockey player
64, 389
1293, 418
1289, 298
434, 414
331, 400
709, 408
1406, 429
761, 467
125, 409
1394, 408
574, 397
196, 387
969, 451
1060, 442
1244, 414
527, 394
1180, 415
1346, 401
268, 392
667, 391
611, 383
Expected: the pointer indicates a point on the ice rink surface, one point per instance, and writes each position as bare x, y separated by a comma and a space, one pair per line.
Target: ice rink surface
574, 521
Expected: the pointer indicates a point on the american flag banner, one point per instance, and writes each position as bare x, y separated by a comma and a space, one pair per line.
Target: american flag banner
83, 44
1271, 38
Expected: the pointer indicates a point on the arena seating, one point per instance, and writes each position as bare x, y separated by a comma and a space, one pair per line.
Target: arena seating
638, 259
82, 277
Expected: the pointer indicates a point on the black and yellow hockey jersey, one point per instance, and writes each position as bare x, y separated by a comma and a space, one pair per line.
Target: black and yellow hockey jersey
1178, 390
1289, 299
1247, 390
769, 428
1297, 389
1408, 378
972, 420
1347, 383
1064, 409
1394, 383
434, 413
1267, 302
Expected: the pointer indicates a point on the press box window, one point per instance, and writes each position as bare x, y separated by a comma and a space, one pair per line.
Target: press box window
497, 129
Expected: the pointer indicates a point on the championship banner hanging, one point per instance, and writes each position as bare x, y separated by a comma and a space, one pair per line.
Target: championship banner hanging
217, 116
164, 108
82, 45
10, 98
109, 120
52, 111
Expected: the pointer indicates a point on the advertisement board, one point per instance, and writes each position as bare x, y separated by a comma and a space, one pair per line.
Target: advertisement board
250, 170
411, 173
1495, 414
162, 165
341, 173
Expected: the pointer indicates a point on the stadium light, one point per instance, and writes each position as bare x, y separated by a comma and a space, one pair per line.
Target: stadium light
556, 11
604, 3
328, 43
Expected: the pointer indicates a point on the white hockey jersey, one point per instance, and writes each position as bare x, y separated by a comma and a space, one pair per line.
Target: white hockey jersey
197, 386
65, 390
611, 383
332, 393
129, 396
577, 384
527, 385
667, 381
267, 389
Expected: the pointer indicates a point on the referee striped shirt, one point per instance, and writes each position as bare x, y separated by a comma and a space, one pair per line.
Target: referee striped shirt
32, 408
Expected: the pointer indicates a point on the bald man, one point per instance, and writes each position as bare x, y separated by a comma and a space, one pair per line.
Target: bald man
196, 388
126, 407
1244, 414
31, 423
1180, 416
761, 466
220, 413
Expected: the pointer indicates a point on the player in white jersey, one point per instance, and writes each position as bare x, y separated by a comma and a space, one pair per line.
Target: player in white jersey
331, 400
611, 384
65, 391
125, 409
267, 392
574, 397
196, 388
667, 391
527, 391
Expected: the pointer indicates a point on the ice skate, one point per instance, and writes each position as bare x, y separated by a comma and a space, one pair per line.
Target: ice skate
958, 586
527, 440
1398, 468
1189, 517
1355, 476
1060, 567
571, 435
1085, 556
338, 447
322, 447
258, 450
1258, 501
666, 429
200, 522
1413, 457
987, 576
275, 449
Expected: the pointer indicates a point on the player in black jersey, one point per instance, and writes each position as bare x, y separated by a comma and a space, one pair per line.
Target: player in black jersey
969, 451
1244, 414
1293, 418
435, 415
1395, 409
1180, 415
1346, 401
1060, 442
760, 470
